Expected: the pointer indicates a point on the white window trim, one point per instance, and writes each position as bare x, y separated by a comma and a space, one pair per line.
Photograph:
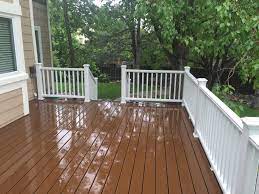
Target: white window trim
17, 79
38, 29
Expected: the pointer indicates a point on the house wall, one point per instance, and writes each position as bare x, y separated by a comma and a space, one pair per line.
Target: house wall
28, 45
11, 104
40, 14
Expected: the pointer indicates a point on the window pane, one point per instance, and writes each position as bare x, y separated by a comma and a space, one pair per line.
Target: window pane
7, 53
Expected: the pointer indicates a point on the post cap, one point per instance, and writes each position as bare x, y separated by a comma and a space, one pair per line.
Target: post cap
252, 125
187, 69
251, 122
86, 65
202, 81
38, 64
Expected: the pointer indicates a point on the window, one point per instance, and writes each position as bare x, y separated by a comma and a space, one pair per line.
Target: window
38, 44
7, 51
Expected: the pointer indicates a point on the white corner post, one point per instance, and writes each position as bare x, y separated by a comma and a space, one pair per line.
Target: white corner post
96, 89
186, 71
123, 84
247, 174
86, 82
202, 82
39, 81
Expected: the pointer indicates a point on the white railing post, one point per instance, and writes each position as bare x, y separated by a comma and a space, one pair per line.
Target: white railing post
186, 70
39, 81
123, 84
87, 82
96, 89
202, 82
243, 176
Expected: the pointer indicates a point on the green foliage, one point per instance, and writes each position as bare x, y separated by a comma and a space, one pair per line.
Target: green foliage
224, 92
220, 36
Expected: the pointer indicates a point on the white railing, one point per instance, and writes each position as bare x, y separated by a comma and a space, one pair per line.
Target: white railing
228, 140
66, 82
151, 85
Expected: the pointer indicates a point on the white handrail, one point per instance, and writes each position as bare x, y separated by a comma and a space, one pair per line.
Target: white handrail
66, 82
151, 85
225, 137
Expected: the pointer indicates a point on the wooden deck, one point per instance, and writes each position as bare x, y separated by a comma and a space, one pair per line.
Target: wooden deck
103, 147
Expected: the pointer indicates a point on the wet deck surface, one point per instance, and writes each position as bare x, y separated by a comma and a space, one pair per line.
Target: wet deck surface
103, 147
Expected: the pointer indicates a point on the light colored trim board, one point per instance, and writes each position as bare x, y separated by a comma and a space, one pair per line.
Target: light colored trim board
33, 31
50, 40
19, 83
18, 79
10, 8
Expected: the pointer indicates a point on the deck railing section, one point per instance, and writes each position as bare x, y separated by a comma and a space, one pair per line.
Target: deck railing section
151, 85
225, 137
66, 82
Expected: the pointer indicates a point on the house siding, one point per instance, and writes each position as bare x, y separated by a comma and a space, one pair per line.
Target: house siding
11, 104
28, 45
40, 14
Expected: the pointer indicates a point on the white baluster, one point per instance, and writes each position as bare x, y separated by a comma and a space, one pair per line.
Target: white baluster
161, 85
74, 84
65, 81
151, 91
39, 81
69, 83
52, 82
165, 86
147, 85
156, 86
48, 83
56, 82
123, 83
87, 82
78, 83
138, 85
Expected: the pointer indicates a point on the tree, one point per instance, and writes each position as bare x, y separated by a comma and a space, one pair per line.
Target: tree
219, 36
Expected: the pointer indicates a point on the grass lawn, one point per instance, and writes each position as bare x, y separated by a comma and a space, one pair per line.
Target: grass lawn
109, 91
248, 112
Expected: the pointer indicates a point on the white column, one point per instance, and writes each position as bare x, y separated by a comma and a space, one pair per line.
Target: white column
39, 81
186, 70
123, 84
246, 179
202, 82
96, 89
87, 82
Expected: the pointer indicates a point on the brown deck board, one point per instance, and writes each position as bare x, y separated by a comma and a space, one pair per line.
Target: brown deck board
103, 147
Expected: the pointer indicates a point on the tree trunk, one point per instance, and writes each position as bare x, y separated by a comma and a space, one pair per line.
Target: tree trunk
138, 44
69, 36
135, 43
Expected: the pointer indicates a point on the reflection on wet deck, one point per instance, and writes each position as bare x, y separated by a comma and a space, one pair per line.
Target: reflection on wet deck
103, 147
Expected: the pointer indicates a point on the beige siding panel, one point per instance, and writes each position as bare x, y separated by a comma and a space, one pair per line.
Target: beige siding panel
11, 94
28, 43
41, 19
11, 104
